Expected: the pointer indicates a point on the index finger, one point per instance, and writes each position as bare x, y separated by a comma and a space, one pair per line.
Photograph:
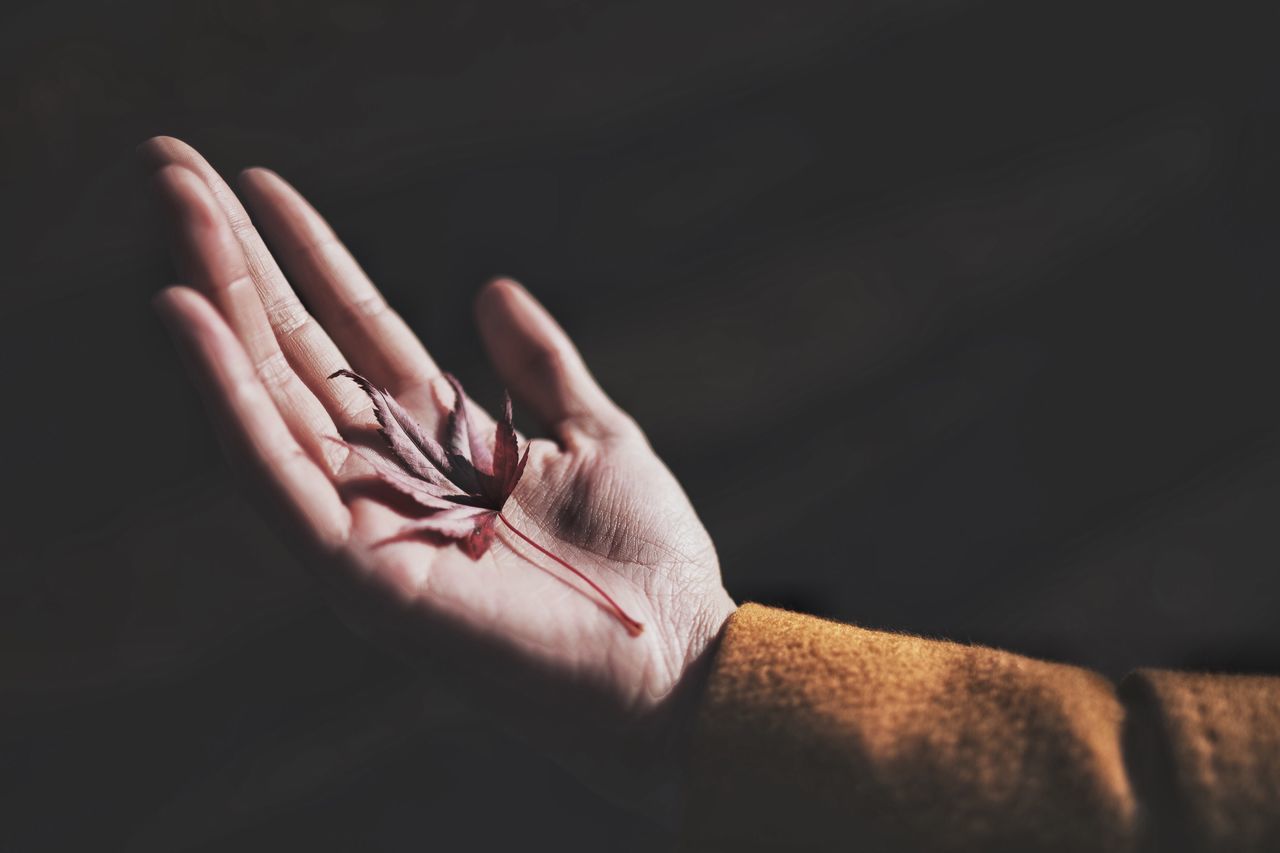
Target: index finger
307, 347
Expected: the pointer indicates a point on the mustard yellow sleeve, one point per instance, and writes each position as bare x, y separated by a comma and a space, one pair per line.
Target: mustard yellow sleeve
814, 735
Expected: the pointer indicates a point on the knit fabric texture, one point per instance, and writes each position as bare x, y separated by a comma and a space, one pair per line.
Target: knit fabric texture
814, 735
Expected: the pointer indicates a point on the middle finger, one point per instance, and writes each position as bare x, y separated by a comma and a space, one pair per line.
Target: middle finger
307, 347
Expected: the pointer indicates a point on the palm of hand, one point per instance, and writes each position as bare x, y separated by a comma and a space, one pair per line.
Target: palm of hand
529, 642
611, 509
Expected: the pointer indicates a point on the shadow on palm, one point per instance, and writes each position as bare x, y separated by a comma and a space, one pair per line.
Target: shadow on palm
592, 504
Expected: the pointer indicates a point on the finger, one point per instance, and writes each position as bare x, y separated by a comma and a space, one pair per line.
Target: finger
541, 366
209, 256
308, 348
255, 436
376, 338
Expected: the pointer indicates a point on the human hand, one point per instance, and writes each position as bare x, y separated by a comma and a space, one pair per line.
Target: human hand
525, 640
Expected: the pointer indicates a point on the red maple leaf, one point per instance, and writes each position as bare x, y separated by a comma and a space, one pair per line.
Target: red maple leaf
461, 483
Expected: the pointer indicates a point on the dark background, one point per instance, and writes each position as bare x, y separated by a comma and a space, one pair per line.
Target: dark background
953, 317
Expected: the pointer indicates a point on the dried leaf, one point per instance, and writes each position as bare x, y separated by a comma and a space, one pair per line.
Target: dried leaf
461, 482
464, 495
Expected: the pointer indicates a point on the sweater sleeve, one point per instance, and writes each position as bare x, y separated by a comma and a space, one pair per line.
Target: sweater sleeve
814, 735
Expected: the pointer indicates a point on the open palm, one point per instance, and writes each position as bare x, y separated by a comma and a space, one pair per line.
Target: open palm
531, 642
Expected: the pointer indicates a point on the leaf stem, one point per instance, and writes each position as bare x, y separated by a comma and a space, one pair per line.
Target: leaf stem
633, 627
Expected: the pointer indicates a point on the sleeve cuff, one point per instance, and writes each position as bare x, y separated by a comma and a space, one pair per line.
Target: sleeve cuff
814, 735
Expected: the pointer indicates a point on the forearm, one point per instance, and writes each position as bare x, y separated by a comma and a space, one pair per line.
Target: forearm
815, 735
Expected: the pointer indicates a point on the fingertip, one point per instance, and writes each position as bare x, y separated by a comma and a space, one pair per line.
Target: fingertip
274, 198
162, 304
173, 181
148, 149
194, 218
164, 298
175, 300
175, 308
502, 282
160, 141
499, 293
256, 176
173, 174
159, 150
505, 285
196, 326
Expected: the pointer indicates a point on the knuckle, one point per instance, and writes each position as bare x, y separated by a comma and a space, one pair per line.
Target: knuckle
245, 394
354, 408
236, 283
361, 310
241, 225
262, 265
289, 454
274, 370
286, 314
318, 245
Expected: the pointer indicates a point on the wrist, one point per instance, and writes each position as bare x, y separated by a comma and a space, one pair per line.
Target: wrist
675, 720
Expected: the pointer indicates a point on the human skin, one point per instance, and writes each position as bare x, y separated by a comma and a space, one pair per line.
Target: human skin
524, 641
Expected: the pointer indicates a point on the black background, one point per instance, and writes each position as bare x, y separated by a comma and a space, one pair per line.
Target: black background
953, 317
